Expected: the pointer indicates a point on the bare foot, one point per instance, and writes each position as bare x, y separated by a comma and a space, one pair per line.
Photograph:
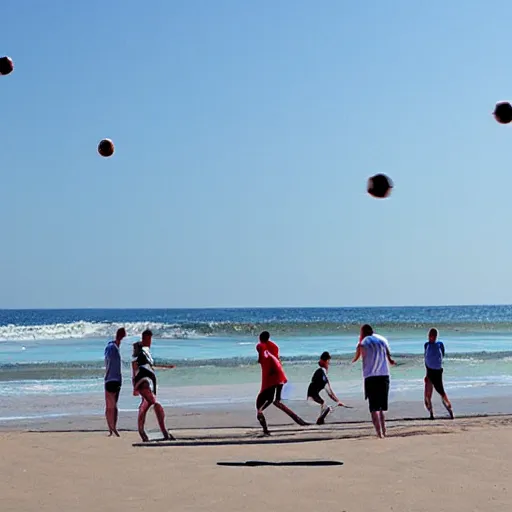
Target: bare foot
144, 437
169, 437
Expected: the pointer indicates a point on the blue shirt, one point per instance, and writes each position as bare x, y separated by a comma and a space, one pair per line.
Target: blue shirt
112, 363
434, 353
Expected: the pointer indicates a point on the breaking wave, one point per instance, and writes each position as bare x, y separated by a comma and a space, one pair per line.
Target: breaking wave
184, 330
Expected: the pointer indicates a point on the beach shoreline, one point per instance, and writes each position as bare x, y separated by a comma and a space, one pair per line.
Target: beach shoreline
244, 415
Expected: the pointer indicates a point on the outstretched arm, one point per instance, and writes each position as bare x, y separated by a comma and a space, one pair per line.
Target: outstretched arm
164, 366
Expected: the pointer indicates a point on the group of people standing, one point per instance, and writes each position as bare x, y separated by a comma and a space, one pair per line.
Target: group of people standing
143, 380
372, 348
375, 353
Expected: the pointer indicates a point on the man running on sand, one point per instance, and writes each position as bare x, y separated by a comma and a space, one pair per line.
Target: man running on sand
374, 349
319, 381
273, 379
434, 353
113, 381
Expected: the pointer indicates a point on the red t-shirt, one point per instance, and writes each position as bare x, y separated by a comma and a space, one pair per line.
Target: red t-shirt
272, 373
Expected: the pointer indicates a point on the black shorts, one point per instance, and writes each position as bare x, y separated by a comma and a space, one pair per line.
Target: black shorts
144, 375
436, 378
113, 386
267, 396
314, 394
376, 391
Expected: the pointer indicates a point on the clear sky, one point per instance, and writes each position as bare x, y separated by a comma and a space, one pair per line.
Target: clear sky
245, 133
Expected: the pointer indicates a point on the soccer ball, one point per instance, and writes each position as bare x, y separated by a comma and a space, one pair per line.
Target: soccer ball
6, 65
503, 112
106, 148
379, 186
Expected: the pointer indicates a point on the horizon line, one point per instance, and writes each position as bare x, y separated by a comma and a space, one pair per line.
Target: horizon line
262, 308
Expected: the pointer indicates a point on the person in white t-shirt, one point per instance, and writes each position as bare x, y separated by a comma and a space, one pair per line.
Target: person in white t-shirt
374, 349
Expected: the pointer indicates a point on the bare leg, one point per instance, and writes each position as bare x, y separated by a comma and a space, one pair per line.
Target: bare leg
150, 399
382, 420
290, 413
263, 422
160, 416
116, 416
429, 388
141, 420
448, 405
444, 397
111, 412
107, 413
324, 410
116, 412
376, 422
286, 410
261, 417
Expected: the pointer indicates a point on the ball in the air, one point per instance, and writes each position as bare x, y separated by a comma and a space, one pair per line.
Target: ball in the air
503, 112
379, 186
6, 65
106, 148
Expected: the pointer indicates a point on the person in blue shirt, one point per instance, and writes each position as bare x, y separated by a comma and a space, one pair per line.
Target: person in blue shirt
434, 354
113, 381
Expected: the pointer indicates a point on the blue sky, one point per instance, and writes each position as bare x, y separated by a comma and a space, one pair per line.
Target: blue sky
245, 133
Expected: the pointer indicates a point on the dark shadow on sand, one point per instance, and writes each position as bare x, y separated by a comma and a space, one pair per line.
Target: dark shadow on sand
226, 442
255, 463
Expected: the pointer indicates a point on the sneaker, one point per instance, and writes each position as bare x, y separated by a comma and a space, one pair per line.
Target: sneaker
321, 418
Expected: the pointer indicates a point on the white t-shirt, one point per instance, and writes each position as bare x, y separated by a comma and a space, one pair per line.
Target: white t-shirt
375, 360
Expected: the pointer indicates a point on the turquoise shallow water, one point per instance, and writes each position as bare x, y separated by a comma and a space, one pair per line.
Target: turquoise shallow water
55, 358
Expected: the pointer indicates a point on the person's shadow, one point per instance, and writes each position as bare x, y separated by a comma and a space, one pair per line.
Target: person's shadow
254, 463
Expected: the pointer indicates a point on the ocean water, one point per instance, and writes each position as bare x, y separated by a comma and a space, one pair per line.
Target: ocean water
52, 360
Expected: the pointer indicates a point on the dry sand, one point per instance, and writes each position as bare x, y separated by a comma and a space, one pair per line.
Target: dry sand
464, 465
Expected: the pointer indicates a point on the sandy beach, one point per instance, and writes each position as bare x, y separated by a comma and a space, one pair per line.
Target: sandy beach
422, 466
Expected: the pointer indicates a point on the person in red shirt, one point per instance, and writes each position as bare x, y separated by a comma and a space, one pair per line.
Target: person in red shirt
273, 379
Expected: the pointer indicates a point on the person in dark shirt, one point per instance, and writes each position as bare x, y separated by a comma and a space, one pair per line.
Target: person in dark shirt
319, 381
434, 354
144, 385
